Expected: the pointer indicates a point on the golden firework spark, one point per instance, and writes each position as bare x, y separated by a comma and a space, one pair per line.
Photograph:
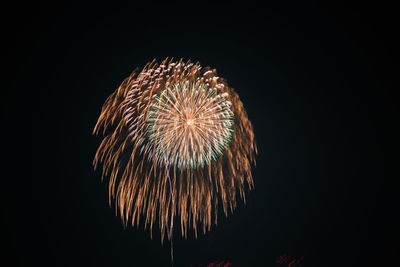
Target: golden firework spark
180, 122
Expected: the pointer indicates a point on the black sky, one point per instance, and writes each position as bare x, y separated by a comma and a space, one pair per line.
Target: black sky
318, 86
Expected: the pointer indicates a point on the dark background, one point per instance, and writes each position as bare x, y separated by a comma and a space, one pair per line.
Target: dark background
317, 83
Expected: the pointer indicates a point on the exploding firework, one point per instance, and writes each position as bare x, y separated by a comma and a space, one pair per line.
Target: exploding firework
177, 143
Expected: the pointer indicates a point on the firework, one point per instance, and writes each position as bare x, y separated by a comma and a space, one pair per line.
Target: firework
177, 143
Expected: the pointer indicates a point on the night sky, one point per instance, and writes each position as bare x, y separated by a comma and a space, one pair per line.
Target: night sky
317, 83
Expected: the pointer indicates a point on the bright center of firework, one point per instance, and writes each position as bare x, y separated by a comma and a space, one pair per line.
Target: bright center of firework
189, 122
189, 125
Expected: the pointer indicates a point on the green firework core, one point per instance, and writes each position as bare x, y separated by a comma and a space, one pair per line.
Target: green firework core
189, 125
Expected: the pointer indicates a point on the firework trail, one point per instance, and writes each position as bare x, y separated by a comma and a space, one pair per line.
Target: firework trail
180, 122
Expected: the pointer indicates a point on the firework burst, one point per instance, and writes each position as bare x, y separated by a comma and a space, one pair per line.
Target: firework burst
180, 122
